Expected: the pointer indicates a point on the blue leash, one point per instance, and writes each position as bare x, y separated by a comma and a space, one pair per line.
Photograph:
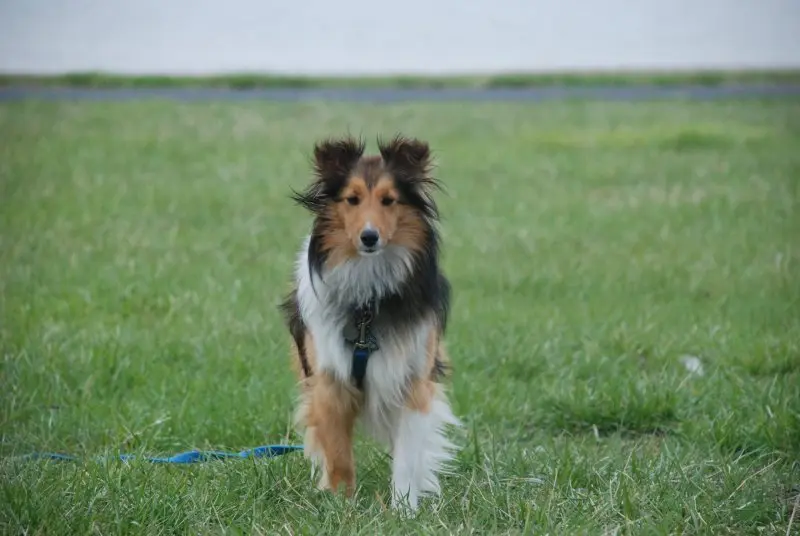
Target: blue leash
192, 456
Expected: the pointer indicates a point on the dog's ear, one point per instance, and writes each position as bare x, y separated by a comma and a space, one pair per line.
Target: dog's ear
408, 158
333, 161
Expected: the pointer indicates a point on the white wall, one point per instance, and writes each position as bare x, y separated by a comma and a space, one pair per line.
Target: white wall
360, 36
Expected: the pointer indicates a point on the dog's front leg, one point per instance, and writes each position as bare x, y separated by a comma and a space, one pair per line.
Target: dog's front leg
331, 410
420, 448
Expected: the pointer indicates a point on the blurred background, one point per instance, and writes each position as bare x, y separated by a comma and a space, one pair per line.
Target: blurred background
412, 36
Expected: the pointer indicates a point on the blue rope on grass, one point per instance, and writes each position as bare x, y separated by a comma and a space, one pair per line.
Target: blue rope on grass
192, 456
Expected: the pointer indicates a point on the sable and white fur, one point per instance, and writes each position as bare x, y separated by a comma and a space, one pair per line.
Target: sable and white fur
403, 404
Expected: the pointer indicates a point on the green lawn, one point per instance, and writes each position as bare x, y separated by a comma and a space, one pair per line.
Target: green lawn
507, 80
145, 247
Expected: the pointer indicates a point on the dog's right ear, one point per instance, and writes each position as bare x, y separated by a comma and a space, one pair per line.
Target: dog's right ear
333, 161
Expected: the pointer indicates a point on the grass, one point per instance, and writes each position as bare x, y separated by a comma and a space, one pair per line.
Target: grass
244, 81
145, 246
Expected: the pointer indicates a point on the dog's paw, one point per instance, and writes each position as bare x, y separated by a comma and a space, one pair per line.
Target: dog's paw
405, 504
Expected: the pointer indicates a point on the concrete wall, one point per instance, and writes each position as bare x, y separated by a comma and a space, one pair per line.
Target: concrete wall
412, 36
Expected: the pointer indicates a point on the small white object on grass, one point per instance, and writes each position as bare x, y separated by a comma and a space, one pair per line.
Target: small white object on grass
692, 364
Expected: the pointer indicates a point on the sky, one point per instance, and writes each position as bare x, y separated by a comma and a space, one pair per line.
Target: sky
412, 36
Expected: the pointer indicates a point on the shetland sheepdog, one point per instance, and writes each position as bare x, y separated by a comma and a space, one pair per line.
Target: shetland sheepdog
367, 315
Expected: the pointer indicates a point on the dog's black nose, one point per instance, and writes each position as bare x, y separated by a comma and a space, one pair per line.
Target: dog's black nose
369, 238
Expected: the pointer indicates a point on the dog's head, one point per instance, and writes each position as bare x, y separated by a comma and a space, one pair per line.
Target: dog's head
362, 204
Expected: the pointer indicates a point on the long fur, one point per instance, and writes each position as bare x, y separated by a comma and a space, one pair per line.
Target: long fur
403, 404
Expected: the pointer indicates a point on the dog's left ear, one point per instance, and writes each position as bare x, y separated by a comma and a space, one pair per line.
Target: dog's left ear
408, 158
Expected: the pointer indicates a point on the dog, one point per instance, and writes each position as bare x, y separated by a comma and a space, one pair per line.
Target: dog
367, 315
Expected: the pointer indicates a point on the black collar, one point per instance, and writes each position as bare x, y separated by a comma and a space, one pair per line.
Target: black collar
364, 343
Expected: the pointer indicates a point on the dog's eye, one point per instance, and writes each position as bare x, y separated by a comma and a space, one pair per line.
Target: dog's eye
352, 200
386, 201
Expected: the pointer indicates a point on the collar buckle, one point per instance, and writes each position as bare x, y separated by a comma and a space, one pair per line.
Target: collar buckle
364, 343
